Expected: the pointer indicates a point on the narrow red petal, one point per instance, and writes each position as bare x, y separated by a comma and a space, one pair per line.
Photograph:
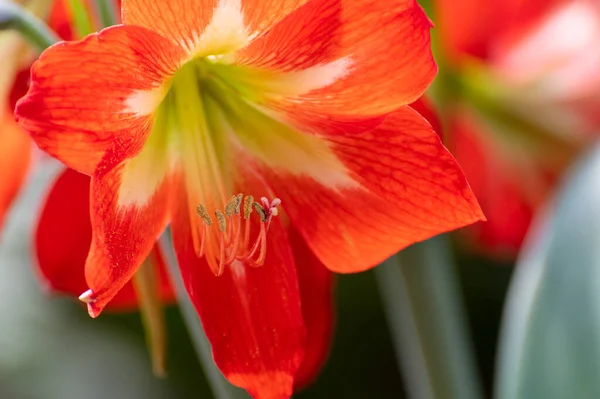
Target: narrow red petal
63, 238
15, 154
79, 103
302, 39
123, 232
251, 315
388, 50
407, 188
316, 291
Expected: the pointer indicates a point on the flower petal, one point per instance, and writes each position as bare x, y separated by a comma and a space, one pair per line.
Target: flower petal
87, 95
15, 154
407, 188
63, 238
251, 315
316, 292
129, 210
193, 24
387, 47
301, 40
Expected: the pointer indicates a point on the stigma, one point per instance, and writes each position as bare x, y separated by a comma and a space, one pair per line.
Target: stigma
228, 237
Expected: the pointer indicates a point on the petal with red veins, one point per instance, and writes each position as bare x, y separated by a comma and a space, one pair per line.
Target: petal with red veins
15, 154
129, 210
182, 21
424, 107
251, 315
316, 291
63, 238
305, 38
87, 95
388, 60
407, 188
261, 15
194, 24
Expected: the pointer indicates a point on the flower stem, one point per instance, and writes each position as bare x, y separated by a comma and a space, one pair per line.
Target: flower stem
13, 16
221, 388
107, 12
421, 298
145, 284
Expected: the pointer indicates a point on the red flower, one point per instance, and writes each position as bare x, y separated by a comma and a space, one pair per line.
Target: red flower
544, 59
189, 104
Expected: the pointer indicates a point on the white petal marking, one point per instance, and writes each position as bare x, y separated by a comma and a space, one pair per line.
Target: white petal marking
225, 33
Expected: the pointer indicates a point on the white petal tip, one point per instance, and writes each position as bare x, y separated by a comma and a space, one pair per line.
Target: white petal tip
87, 297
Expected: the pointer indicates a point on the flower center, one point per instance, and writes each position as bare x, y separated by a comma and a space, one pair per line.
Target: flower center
233, 231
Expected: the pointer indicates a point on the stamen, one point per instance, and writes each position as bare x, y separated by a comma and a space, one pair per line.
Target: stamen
248, 206
261, 212
230, 206
238, 203
232, 240
203, 213
221, 221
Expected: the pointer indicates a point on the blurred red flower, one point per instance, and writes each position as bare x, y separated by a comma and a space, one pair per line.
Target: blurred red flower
544, 58
188, 104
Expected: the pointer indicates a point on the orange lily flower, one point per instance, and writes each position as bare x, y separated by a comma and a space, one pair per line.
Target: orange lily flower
191, 109
543, 54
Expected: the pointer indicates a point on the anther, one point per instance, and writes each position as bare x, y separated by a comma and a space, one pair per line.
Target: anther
248, 206
221, 221
238, 203
261, 212
230, 206
203, 213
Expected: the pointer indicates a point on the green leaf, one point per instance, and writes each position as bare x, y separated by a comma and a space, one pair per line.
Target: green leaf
550, 336
15, 17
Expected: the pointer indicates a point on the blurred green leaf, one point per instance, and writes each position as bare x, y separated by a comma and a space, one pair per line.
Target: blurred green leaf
550, 337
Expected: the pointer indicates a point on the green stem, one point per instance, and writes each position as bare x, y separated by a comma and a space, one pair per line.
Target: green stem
221, 388
107, 12
13, 16
421, 298
146, 287
81, 21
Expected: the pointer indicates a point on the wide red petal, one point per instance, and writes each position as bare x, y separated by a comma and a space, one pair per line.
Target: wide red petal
386, 45
181, 21
316, 291
302, 39
63, 238
251, 315
185, 21
261, 15
124, 229
407, 188
15, 154
80, 100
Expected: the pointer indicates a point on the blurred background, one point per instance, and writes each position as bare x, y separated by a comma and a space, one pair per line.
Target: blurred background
505, 309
